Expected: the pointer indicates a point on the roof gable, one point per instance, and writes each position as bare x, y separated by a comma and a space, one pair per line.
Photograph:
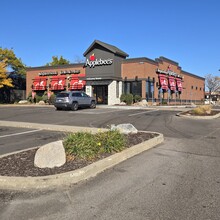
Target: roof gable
109, 47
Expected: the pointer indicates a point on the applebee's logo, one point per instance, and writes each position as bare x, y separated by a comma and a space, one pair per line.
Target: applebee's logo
93, 61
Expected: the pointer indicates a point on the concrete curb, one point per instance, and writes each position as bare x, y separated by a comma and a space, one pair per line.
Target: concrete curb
51, 127
72, 177
199, 117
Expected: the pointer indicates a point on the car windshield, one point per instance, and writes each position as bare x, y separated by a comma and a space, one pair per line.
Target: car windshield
62, 95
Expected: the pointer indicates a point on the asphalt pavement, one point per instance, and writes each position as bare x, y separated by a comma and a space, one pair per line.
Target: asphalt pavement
177, 179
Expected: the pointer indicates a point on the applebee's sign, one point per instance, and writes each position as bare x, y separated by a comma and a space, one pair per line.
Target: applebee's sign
93, 61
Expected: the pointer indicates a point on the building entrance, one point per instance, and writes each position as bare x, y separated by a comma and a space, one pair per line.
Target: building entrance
101, 94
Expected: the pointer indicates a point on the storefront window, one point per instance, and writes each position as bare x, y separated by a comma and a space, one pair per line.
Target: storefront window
149, 89
127, 87
136, 88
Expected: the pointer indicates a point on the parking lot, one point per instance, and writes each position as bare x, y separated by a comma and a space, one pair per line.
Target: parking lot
182, 168
23, 136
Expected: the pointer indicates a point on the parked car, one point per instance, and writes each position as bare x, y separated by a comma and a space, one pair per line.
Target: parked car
73, 100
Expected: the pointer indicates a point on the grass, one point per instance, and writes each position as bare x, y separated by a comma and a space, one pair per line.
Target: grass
202, 110
84, 145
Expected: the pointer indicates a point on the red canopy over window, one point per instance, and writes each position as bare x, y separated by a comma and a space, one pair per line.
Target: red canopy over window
58, 82
163, 81
39, 83
76, 84
179, 84
172, 84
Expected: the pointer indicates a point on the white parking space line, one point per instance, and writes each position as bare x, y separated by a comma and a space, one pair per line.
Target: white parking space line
144, 112
25, 132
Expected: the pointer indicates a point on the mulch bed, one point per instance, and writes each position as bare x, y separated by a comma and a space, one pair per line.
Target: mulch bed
22, 164
193, 114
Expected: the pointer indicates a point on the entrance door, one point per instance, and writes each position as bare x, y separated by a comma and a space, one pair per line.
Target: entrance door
101, 94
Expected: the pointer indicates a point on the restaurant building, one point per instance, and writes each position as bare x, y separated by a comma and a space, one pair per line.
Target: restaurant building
108, 72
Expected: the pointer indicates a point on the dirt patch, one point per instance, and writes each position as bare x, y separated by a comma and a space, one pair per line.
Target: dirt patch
22, 164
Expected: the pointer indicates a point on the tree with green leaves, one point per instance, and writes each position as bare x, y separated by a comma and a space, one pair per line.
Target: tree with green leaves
4, 79
58, 61
11, 61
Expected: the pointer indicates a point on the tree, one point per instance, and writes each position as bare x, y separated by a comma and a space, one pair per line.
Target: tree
212, 83
4, 80
58, 61
11, 61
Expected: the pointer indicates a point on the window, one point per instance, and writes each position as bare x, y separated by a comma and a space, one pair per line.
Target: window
191, 87
149, 89
134, 87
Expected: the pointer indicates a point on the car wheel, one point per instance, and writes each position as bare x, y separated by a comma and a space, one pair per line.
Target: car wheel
93, 105
74, 106
58, 109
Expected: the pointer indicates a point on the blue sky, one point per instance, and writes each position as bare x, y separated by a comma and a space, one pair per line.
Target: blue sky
186, 31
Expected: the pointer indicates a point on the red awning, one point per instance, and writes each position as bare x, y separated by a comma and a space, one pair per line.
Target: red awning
172, 84
58, 82
39, 83
76, 84
163, 81
179, 84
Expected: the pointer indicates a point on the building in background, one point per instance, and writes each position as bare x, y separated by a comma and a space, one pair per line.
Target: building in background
107, 73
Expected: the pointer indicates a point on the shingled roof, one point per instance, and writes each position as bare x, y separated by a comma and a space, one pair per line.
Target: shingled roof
109, 47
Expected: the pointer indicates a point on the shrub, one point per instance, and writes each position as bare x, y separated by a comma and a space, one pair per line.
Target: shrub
45, 97
137, 98
127, 98
52, 99
29, 98
84, 145
202, 109
38, 98
110, 141
81, 145
123, 97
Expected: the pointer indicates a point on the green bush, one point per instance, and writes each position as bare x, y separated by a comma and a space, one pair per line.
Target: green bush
137, 98
29, 98
123, 97
81, 145
38, 98
84, 145
45, 97
127, 98
52, 99
110, 141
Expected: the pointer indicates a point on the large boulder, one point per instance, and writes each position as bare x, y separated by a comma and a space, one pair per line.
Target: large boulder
125, 128
50, 155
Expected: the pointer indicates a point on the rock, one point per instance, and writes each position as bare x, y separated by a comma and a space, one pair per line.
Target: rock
125, 128
122, 103
23, 102
41, 102
50, 155
143, 103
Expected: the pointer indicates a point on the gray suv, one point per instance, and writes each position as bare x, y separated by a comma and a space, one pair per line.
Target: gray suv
73, 100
